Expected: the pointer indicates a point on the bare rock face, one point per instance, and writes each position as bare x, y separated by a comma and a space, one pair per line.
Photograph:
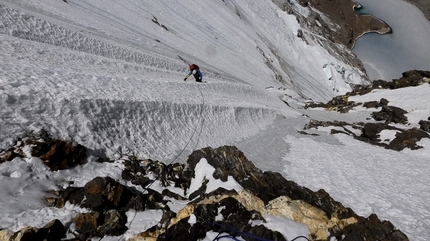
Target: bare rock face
56, 154
424, 125
96, 224
409, 78
54, 230
391, 114
224, 211
338, 103
350, 24
229, 161
408, 139
269, 187
374, 228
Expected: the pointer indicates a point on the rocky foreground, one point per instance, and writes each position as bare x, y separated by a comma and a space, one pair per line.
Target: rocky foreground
221, 210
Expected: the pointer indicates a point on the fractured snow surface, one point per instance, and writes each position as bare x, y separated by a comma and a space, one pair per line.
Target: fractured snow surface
104, 74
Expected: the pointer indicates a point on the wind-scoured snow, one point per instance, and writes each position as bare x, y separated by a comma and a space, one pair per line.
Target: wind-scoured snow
109, 75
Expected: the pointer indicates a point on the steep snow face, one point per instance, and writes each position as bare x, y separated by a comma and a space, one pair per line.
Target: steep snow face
250, 42
102, 72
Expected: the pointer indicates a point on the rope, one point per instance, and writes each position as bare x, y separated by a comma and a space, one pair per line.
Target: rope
203, 119
183, 149
174, 159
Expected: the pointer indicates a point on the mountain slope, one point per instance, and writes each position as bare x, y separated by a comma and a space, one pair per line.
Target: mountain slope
109, 75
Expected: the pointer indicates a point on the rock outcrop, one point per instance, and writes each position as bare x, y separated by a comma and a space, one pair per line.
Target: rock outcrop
409, 78
239, 210
349, 24
386, 115
56, 154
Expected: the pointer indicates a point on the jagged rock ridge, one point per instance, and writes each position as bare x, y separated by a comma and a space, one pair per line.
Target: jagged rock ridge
257, 194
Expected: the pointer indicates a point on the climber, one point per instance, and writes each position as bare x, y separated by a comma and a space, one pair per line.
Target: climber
195, 71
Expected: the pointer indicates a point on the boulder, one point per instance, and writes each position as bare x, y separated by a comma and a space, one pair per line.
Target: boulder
407, 139
52, 231
97, 224
391, 114
424, 125
56, 154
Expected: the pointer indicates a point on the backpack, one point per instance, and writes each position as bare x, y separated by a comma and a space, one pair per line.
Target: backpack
193, 67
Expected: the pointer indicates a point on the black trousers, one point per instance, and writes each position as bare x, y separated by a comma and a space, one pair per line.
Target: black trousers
197, 77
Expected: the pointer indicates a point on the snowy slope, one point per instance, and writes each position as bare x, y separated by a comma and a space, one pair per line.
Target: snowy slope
109, 75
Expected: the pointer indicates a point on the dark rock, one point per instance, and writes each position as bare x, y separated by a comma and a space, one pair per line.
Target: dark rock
371, 130
234, 212
52, 231
407, 139
134, 172
376, 104
200, 191
409, 78
424, 125
96, 224
56, 154
339, 103
178, 232
391, 114
263, 232
167, 174
168, 193
137, 203
383, 102
397, 235
86, 224
101, 194
155, 200
371, 104
305, 133
206, 212
109, 199
7, 156
316, 123
229, 161
235, 217
63, 155
370, 229
114, 224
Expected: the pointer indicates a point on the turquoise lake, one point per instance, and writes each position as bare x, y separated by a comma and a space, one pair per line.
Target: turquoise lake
408, 47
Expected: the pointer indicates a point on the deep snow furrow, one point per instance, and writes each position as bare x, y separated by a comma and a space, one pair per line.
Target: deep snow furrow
154, 129
24, 26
